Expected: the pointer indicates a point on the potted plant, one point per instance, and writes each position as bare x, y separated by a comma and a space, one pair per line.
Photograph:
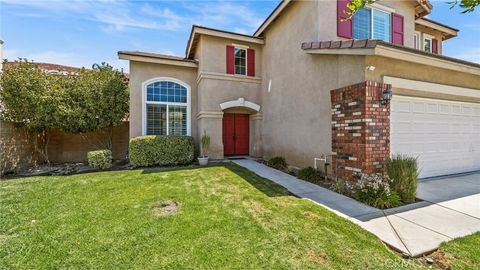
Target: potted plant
204, 144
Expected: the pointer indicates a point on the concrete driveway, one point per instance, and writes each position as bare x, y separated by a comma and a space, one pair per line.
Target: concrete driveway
450, 209
460, 193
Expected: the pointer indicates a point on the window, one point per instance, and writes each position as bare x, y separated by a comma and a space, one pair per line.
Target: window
240, 61
372, 23
166, 108
427, 44
416, 40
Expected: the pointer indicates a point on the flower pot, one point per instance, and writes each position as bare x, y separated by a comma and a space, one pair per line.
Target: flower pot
203, 161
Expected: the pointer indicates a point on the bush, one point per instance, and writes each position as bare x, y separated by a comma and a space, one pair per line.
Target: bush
101, 159
340, 186
278, 163
403, 171
375, 190
161, 150
309, 174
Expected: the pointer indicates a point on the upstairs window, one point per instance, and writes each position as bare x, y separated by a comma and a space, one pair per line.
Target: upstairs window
372, 23
166, 109
240, 61
427, 44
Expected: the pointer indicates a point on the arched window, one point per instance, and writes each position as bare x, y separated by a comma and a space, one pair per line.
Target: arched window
167, 107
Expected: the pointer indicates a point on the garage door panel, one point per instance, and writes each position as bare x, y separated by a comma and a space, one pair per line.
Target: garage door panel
444, 135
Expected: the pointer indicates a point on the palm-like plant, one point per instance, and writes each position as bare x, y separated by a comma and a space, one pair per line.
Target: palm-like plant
205, 143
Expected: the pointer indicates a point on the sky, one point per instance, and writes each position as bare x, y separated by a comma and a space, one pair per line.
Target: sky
82, 32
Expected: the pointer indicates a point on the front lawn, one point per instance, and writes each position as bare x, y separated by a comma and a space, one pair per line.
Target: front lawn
227, 217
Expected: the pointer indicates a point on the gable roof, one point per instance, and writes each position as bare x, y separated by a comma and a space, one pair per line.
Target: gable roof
423, 8
201, 30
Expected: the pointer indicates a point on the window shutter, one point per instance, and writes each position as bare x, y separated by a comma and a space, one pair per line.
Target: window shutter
397, 29
434, 46
344, 25
251, 62
230, 59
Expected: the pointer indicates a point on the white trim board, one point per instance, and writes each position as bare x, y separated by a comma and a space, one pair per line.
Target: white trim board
431, 87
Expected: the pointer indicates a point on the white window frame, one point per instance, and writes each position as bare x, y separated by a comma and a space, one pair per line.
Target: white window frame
417, 41
381, 9
145, 102
427, 37
242, 47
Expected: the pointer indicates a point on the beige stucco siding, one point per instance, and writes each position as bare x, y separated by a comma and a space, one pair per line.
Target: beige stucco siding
297, 111
141, 72
213, 54
407, 70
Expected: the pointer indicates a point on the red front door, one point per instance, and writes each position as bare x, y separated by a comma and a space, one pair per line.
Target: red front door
235, 134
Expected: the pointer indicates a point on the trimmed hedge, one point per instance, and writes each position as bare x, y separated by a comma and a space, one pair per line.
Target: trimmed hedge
309, 174
161, 150
101, 159
278, 163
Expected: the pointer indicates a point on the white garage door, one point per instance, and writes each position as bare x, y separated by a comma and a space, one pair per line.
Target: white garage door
444, 135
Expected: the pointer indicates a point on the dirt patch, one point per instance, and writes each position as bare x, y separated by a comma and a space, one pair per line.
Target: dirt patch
166, 208
439, 259
316, 258
311, 216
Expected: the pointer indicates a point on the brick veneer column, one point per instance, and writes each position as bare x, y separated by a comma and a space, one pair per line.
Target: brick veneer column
360, 129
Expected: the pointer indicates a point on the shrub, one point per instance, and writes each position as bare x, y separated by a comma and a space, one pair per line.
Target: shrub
101, 159
161, 150
278, 163
375, 190
340, 186
309, 174
403, 170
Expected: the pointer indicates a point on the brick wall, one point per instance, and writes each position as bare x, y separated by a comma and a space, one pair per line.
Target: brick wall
360, 129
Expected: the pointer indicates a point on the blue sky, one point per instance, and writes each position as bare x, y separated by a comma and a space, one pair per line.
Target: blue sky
83, 32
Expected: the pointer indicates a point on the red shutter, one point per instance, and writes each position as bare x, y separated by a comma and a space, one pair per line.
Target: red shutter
344, 25
230, 59
434, 46
251, 62
397, 29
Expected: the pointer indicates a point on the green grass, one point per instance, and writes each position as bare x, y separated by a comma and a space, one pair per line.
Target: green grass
463, 253
228, 218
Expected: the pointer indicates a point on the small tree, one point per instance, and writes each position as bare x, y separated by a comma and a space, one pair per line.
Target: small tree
94, 100
465, 5
29, 98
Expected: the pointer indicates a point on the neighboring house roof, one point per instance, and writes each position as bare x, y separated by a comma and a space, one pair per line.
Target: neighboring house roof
201, 30
369, 46
156, 58
53, 68
447, 31
423, 8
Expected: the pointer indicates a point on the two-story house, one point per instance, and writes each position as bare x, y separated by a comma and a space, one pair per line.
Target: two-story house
309, 83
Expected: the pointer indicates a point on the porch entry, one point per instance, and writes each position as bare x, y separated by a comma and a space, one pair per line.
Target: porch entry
236, 132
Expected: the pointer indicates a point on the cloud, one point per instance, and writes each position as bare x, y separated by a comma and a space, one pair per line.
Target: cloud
120, 15
472, 55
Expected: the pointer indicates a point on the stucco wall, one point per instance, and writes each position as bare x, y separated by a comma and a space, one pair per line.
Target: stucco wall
141, 72
297, 111
407, 70
213, 54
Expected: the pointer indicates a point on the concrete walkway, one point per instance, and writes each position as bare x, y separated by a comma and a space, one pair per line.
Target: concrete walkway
413, 229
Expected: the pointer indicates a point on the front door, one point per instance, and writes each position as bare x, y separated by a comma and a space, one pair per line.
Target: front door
235, 134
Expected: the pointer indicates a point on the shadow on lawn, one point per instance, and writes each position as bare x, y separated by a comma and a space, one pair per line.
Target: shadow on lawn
266, 186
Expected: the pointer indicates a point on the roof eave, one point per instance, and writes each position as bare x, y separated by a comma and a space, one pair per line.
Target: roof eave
156, 60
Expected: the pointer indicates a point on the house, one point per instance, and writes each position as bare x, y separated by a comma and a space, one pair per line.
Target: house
309, 83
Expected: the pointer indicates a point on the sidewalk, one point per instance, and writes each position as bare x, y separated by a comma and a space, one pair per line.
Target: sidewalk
413, 229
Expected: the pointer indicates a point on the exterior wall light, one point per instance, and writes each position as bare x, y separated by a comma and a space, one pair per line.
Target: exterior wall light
387, 95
